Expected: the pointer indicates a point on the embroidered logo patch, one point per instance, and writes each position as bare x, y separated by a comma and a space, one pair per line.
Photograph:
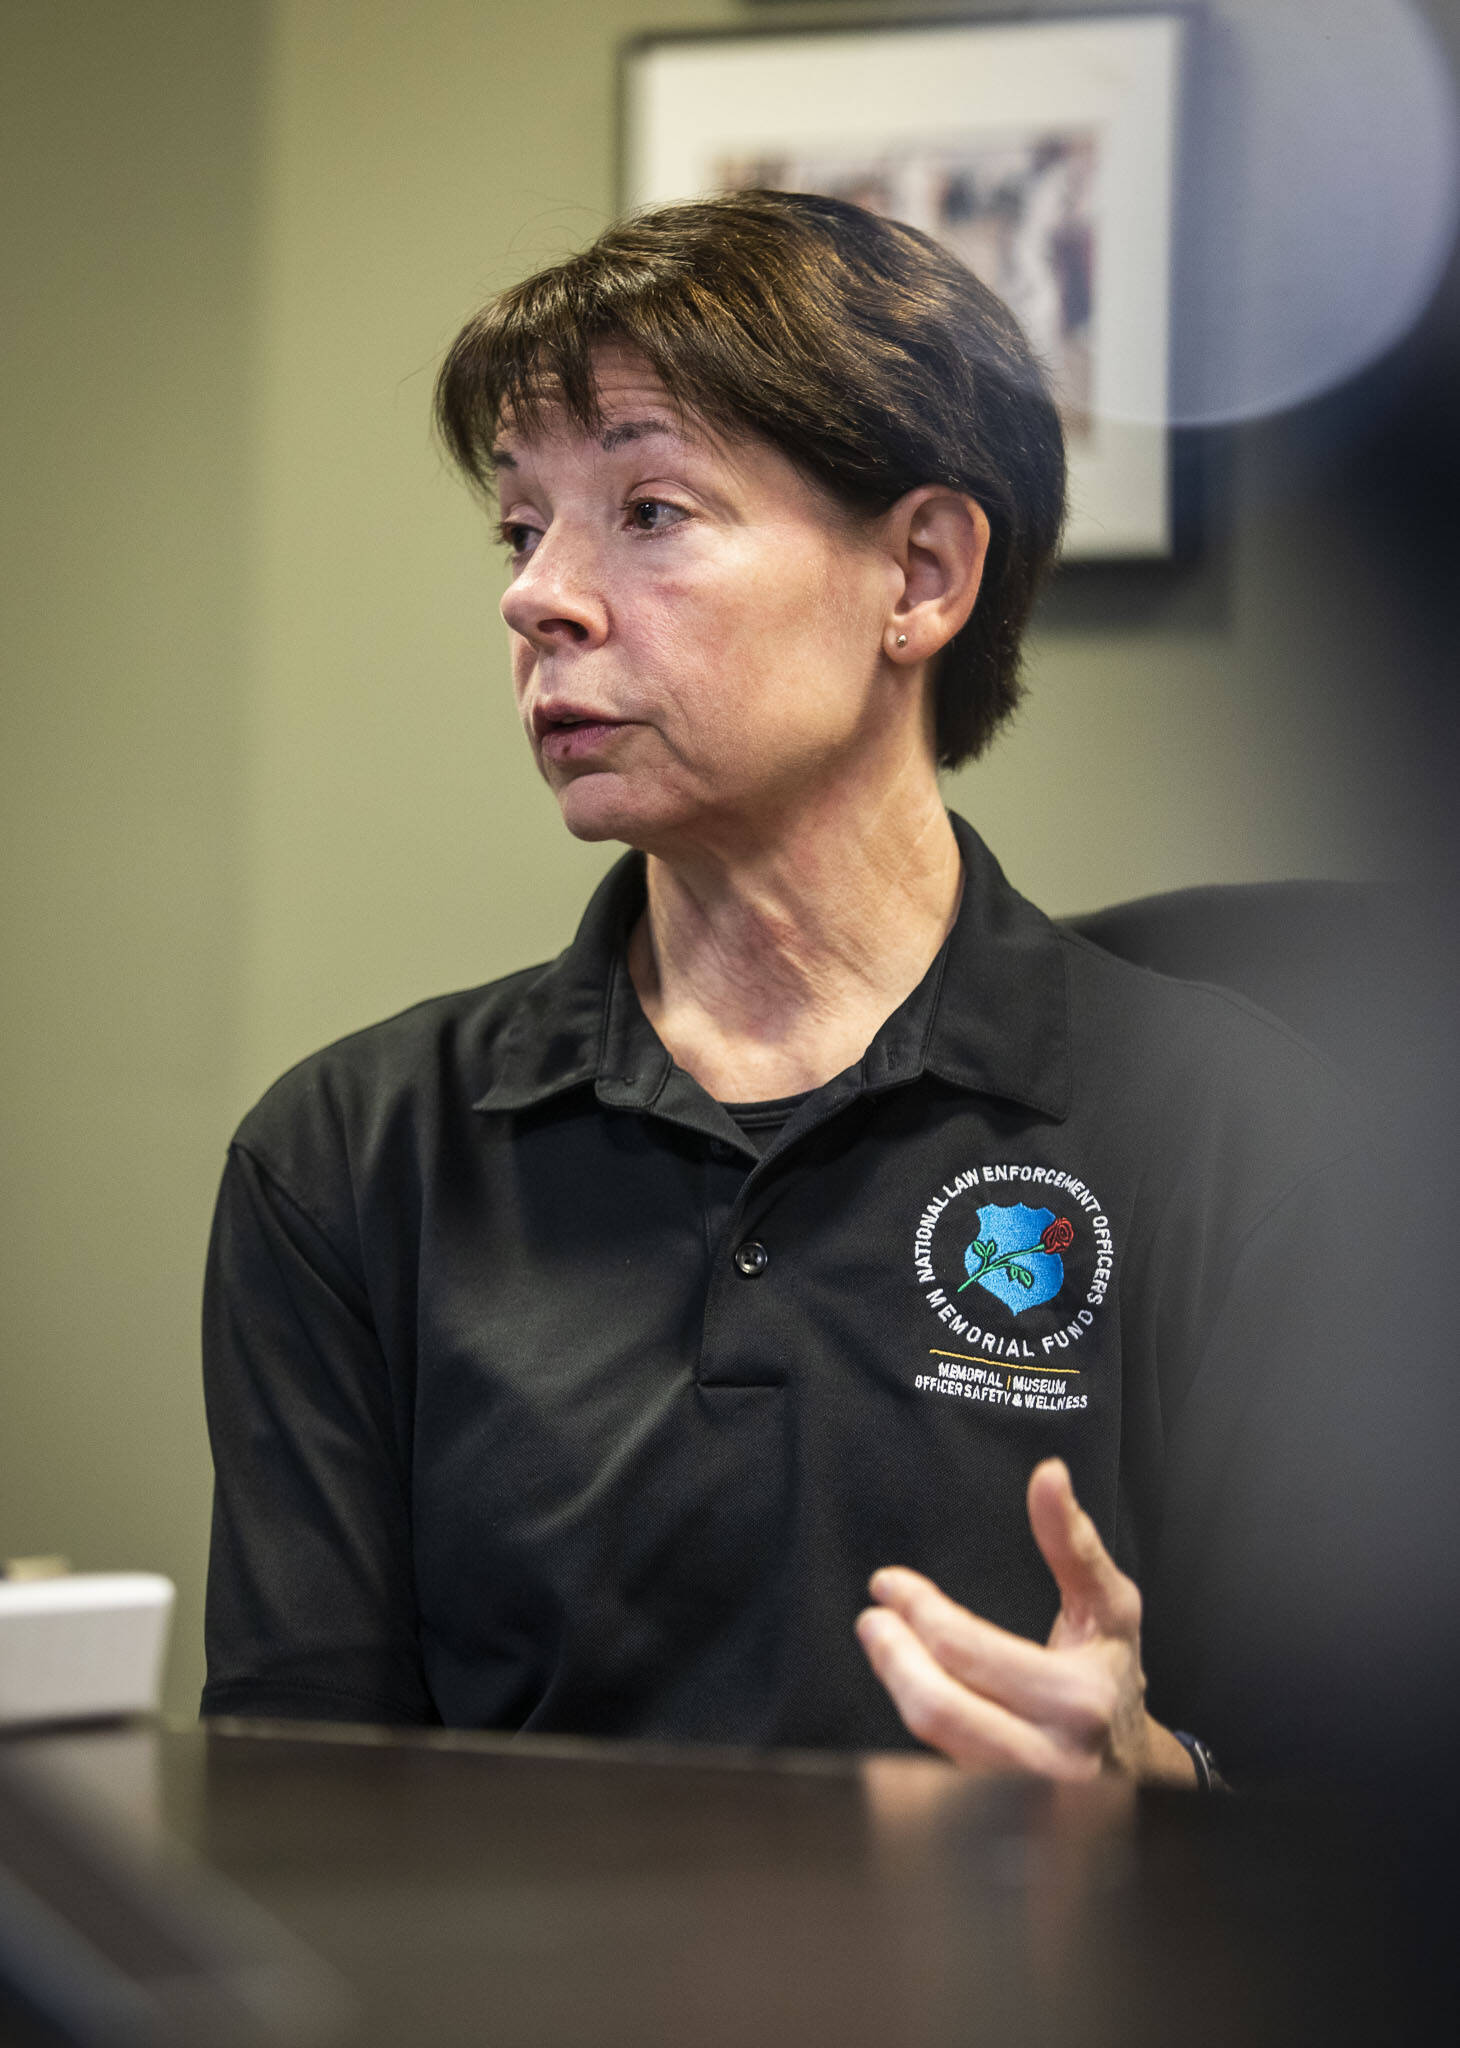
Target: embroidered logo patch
1014, 1262
1016, 1254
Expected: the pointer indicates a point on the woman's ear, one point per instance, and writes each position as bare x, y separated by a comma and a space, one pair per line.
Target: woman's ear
939, 539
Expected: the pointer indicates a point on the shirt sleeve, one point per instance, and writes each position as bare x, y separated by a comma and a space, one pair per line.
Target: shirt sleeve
311, 1610
1264, 1606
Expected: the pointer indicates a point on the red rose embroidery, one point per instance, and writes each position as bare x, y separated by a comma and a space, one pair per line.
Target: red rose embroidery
1059, 1236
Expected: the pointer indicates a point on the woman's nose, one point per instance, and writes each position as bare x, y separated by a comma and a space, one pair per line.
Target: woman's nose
554, 600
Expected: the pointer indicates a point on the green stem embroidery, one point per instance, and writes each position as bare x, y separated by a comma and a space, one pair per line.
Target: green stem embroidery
991, 1260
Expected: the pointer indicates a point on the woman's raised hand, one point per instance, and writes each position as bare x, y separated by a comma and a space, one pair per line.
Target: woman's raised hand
1071, 1708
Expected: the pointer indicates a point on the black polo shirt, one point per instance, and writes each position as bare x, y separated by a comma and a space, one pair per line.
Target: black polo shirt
539, 1400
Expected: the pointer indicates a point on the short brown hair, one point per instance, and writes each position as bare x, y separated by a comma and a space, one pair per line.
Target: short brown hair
862, 349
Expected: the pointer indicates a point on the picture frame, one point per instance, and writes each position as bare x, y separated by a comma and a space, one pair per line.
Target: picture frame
1042, 152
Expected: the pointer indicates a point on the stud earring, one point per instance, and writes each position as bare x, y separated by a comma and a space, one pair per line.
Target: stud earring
902, 639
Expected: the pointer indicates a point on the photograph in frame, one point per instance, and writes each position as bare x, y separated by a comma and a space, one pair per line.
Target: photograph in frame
1041, 154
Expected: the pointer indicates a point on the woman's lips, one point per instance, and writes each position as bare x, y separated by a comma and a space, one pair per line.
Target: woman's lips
578, 741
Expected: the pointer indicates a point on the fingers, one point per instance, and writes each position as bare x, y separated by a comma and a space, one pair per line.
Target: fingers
1096, 1597
991, 1700
976, 1732
1008, 1671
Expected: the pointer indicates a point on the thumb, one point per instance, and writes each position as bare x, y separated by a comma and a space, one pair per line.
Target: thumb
1095, 1593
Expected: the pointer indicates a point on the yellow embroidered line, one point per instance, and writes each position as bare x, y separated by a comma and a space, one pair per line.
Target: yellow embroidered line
1003, 1365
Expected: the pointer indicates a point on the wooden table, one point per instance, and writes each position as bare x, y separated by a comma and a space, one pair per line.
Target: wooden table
544, 1894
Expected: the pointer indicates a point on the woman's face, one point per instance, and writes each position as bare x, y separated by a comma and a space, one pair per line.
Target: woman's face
696, 630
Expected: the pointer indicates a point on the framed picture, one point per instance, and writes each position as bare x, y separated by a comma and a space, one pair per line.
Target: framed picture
1042, 153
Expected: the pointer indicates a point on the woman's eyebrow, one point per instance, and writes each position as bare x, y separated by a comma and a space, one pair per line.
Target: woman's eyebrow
617, 436
624, 431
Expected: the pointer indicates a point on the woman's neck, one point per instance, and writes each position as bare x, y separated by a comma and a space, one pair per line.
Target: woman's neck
767, 972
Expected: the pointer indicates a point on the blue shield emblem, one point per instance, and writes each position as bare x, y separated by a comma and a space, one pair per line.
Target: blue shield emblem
1009, 1259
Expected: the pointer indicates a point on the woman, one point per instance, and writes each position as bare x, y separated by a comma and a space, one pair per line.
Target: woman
579, 1346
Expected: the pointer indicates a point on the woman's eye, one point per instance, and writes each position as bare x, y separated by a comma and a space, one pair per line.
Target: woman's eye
516, 538
652, 515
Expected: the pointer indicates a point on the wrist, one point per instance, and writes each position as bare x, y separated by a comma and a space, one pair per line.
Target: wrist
1169, 1759
1208, 1777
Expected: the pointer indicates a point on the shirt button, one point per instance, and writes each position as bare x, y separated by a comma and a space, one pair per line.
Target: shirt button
751, 1259
721, 1148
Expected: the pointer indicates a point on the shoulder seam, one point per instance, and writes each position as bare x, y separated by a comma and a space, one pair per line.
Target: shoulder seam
462, 998
280, 1188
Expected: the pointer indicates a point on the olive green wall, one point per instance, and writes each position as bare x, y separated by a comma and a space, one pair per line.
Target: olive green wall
261, 779
129, 157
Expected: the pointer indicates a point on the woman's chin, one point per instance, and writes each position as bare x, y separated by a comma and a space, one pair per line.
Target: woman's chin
605, 806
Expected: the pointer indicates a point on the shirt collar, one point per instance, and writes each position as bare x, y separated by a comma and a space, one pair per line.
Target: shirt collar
990, 1015
1001, 1021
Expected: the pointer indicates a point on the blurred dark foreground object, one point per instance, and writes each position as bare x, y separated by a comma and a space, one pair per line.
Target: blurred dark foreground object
110, 1938
1306, 951
1368, 973
1344, 1562
542, 1893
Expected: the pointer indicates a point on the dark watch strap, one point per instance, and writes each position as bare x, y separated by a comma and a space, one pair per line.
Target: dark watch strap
1208, 1777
